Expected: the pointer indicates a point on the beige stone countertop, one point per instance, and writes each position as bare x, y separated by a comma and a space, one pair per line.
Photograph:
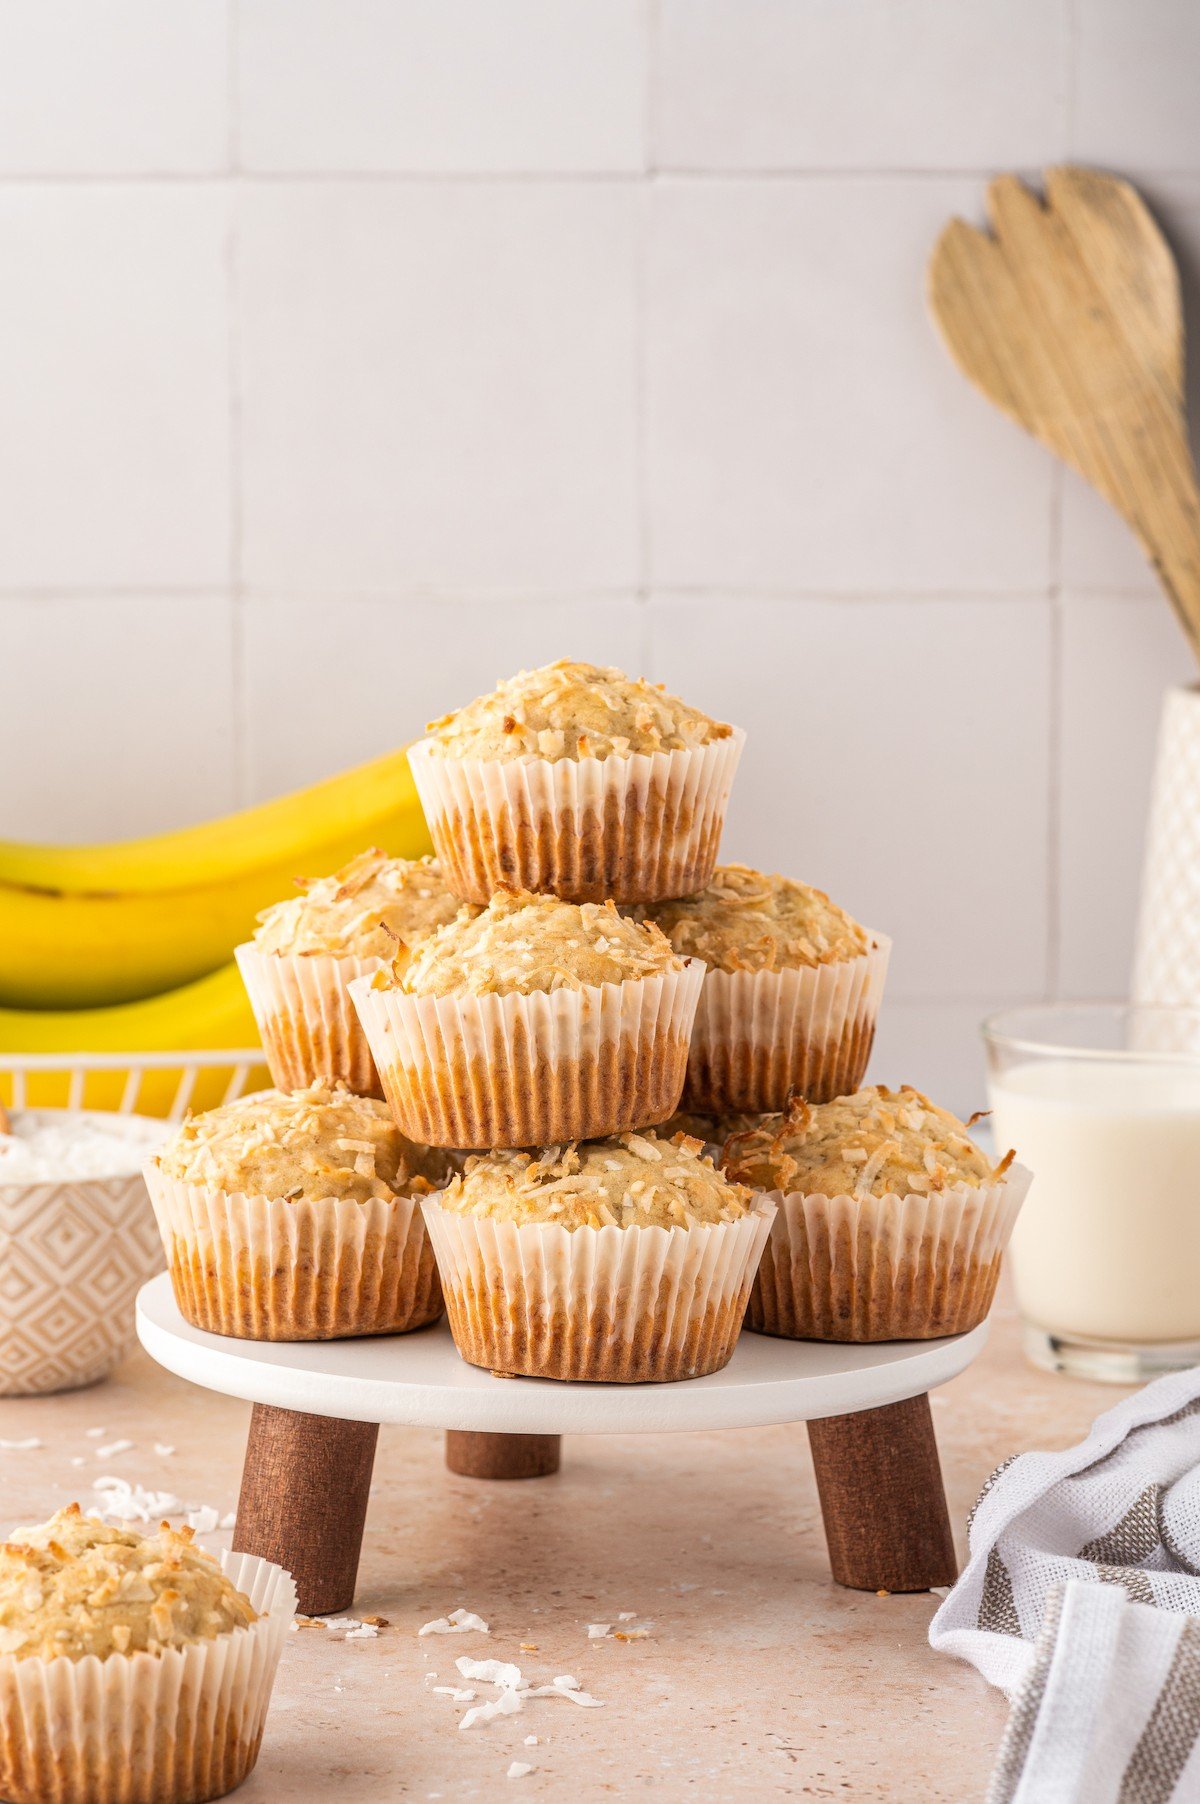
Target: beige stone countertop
758, 1678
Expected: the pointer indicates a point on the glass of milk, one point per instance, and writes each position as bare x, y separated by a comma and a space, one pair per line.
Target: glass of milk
1102, 1103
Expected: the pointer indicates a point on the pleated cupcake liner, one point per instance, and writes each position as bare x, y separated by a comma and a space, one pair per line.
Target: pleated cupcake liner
490, 1071
638, 828
172, 1728
760, 1035
309, 1026
263, 1269
602, 1305
890, 1267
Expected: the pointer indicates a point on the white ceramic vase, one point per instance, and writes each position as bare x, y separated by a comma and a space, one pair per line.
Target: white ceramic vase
1167, 960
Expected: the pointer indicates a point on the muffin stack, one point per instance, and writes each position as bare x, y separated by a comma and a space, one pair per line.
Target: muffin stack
534, 1007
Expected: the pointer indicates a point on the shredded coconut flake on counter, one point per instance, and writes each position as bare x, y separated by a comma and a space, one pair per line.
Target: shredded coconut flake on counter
113, 1448
29, 1446
514, 1690
599, 1631
163, 1451
459, 1622
518, 1769
120, 1501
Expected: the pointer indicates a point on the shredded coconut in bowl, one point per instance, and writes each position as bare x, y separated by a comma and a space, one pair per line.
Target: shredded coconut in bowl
46, 1146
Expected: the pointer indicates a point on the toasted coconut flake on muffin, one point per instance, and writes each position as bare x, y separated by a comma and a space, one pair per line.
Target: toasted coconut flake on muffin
75, 1586
315, 1143
874, 1143
366, 910
521, 943
748, 920
627, 1181
572, 710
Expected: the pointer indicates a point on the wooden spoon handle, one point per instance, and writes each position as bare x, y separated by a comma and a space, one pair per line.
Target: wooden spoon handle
1143, 465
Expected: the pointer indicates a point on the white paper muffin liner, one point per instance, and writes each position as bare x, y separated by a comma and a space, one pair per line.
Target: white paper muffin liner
511, 1070
170, 1728
308, 1024
760, 1035
616, 1305
263, 1269
888, 1267
638, 828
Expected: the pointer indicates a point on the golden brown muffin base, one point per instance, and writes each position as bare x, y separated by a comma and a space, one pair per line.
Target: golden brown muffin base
627, 851
300, 1052
304, 1299
746, 1076
42, 1770
512, 1097
825, 1294
499, 1333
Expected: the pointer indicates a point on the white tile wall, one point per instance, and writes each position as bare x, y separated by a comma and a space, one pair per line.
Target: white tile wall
114, 372
357, 85
805, 428
823, 84
438, 385
130, 87
354, 353
117, 713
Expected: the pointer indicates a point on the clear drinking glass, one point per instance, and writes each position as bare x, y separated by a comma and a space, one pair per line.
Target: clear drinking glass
1102, 1103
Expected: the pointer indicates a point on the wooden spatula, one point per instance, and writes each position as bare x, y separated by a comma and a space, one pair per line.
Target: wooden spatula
1068, 316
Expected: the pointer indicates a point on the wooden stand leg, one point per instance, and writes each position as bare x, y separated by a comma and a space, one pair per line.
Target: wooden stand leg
303, 1501
880, 1485
502, 1455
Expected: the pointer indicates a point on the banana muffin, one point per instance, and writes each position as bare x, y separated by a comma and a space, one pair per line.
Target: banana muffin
293, 1216
791, 993
891, 1220
160, 1662
533, 1021
308, 947
578, 780
626, 1259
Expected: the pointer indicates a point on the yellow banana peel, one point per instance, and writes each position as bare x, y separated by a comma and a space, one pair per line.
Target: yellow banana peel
213, 1013
86, 927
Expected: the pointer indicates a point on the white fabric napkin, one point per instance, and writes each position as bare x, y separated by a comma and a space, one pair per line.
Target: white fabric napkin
1080, 1600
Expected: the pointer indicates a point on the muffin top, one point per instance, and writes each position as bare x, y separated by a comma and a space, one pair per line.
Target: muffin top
361, 911
873, 1143
748, 920
311, 1144
568, 710
75, 1586
521, 943
627, 1181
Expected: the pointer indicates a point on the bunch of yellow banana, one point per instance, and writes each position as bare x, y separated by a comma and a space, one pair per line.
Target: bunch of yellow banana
84, 928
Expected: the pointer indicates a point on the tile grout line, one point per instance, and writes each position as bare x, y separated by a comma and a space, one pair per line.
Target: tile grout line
233, 352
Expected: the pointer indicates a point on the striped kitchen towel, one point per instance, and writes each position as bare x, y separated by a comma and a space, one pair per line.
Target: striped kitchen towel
1081, 1600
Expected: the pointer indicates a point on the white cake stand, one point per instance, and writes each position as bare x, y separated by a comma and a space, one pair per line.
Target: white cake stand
318, 1406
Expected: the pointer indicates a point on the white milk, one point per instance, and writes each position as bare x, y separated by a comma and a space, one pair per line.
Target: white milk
1108, 1243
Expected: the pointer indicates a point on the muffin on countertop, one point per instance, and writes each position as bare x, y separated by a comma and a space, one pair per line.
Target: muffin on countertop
132, 1665
368, 909
75, 1586
791, 993
627, 1181
314, 1143
747, 920
891, 1221
874, 1143
293, 1216
577, 780
521, 943
533, 1022
624, 1260
570, 710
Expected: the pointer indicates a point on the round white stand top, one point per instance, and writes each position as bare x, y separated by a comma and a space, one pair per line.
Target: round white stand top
419, 1380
